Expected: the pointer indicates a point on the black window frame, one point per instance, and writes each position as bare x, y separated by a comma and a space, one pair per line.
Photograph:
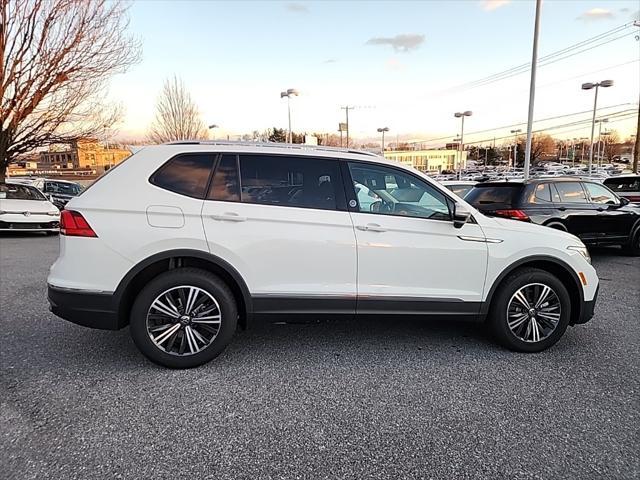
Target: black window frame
352, 196
341, 202
214, 156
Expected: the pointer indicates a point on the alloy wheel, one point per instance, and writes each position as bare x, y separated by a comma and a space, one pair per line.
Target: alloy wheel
183, 320
533, 312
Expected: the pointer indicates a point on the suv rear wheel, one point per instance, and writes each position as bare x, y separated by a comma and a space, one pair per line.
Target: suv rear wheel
531, 310
183, 318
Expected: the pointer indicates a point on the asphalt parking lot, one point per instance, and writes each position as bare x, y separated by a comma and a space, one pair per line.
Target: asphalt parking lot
356, 399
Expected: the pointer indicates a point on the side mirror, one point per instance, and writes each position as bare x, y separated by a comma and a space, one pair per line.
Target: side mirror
624, 201
460, 215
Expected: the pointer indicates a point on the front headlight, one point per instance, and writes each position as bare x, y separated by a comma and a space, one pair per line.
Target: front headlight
582, 250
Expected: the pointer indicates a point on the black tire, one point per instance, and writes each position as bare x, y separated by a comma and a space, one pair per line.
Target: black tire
498, 318
194, 277
632, 249
557, 226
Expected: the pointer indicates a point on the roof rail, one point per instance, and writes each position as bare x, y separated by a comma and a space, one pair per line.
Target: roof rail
292, 146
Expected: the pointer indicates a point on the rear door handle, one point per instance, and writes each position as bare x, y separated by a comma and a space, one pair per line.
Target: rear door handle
371, 227
229, 217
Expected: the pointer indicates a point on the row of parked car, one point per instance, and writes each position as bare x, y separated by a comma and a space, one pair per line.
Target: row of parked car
605, 213
34, 204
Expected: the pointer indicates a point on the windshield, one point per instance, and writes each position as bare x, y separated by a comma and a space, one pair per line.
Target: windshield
62, 188
12, 191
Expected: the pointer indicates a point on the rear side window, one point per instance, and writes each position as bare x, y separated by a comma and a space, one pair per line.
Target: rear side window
186, 174
493, 194
289, 181
626, 184
225, 185
571, 192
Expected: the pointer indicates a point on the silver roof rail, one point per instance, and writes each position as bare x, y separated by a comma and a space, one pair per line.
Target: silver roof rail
292, 146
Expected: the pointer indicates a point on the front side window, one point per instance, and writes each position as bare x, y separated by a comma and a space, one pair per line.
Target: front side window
289, 181
391, 192
601, 195
571, 192
186, 174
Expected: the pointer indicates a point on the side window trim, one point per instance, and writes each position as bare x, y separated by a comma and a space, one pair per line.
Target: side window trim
351, 193
216, 164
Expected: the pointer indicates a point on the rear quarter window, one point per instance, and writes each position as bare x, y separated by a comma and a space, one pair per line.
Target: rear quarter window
486, 195
187, 174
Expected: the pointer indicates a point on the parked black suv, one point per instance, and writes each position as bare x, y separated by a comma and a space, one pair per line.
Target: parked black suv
584, 208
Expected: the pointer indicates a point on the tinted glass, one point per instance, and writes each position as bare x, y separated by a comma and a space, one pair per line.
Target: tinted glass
225, 185
11, 191
289, 181
62, 188
185, 174
626, 184
600, 194
571, 192
387, 191
541, 194
489, 195
460, 190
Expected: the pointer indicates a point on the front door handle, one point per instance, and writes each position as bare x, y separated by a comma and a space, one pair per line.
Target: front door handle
371, 227
229, 217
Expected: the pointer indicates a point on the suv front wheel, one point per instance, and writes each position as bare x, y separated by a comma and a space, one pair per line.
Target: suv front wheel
183, 318
530, 311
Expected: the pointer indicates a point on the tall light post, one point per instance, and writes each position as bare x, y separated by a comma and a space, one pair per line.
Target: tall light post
515, 145
461, 116
532, 90
288, 94
382, 130
600, 121
212, 127
589, 86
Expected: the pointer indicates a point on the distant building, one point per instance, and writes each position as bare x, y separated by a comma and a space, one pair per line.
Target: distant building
84, 153
428, 161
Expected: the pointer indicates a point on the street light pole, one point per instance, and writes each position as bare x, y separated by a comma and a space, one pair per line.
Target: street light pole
288, 93
461, 116
213, 132
515, 146
382, 130
532, 91
589, 86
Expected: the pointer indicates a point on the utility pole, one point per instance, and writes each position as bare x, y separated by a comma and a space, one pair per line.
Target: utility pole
636, 148
532, 91
346, 109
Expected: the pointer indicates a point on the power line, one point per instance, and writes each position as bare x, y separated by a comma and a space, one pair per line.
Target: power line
430, 140
593, 42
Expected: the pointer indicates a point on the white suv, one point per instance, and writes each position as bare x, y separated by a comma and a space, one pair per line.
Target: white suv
202, 237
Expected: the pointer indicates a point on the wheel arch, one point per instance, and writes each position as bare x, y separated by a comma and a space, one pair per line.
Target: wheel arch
557, 224
549, 264
139, 275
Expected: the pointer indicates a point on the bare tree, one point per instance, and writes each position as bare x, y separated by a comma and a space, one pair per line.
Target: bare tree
177, 117
57, 57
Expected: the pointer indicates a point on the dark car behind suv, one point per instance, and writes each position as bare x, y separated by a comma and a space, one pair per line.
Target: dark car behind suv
584, 208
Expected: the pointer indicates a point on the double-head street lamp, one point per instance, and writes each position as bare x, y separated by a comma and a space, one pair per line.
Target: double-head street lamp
382, 130
589, 86
288, 94
515, 145
213, 132
461, 116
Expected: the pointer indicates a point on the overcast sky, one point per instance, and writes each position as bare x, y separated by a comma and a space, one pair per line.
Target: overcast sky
399, 59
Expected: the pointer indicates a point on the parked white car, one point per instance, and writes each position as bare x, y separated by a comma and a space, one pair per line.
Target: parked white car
212, 235
25, 208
